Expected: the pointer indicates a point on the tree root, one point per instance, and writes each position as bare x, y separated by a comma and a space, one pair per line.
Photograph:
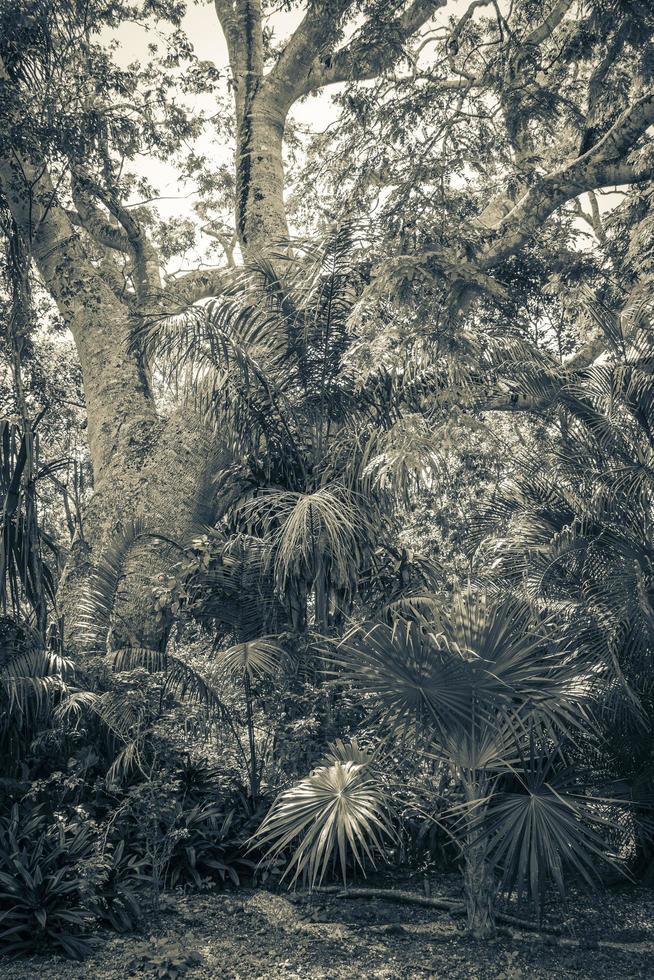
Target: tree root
409, 898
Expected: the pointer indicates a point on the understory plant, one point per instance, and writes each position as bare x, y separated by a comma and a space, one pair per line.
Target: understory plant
44, 886
575, 533
340, 813
485, 691
315, 463
118, 896
164, 959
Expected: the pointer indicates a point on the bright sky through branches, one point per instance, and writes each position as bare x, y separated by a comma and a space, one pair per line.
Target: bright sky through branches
200, 24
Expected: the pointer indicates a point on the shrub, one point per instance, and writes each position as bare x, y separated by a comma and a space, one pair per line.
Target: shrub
116, 902
204, 848
176, 841
42, 887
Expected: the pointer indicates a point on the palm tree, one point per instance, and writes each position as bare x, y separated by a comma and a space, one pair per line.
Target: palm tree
577, 535
321, 462
247, 663
484, 690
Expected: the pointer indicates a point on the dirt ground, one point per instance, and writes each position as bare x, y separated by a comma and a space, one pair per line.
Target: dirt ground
258, 935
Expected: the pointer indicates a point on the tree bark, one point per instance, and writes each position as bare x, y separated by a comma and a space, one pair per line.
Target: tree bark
479, 884
260, 211
143, 466
261, 106
480, 891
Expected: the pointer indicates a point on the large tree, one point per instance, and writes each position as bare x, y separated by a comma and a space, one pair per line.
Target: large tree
71, 118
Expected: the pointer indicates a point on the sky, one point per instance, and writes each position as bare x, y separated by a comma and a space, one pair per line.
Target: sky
201, 25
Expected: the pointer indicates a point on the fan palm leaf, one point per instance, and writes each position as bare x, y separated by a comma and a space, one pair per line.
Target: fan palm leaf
339, 810
537, 833
259, 658
417, 680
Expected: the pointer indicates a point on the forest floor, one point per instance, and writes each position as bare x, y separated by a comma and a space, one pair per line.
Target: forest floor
260, 935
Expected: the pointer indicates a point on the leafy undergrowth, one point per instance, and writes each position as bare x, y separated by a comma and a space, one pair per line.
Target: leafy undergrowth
256, 935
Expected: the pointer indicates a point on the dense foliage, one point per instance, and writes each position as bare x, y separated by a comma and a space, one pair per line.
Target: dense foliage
387, 594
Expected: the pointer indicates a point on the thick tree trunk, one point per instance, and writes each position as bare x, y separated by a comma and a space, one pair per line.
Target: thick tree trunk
260, 211
157, 478
143, 466
261, 105
118, 400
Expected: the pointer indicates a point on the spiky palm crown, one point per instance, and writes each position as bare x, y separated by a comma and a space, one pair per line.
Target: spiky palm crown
321, 458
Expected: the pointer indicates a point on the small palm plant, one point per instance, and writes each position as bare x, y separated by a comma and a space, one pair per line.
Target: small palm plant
339, 811
33, 682
34, 677
247, 663
484, 691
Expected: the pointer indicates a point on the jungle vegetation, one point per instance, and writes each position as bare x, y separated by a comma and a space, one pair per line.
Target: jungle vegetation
327, 490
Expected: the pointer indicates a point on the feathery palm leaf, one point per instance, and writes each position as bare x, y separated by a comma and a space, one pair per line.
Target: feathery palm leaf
179, 678
31, 684
98, 605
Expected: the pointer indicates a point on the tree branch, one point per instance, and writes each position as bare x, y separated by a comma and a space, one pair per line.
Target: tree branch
147, 278
114, 276
362, 60
89, 217
604, 165
593, 220
228, 242
227, 18
180, 293
318, 31
549, 24
515, 94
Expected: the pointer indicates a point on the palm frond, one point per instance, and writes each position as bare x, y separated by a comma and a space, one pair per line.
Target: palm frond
97, 605
418, 681
339, 811
543, 829
408, 456
179, 678
263, 657
31, 684
310, 530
